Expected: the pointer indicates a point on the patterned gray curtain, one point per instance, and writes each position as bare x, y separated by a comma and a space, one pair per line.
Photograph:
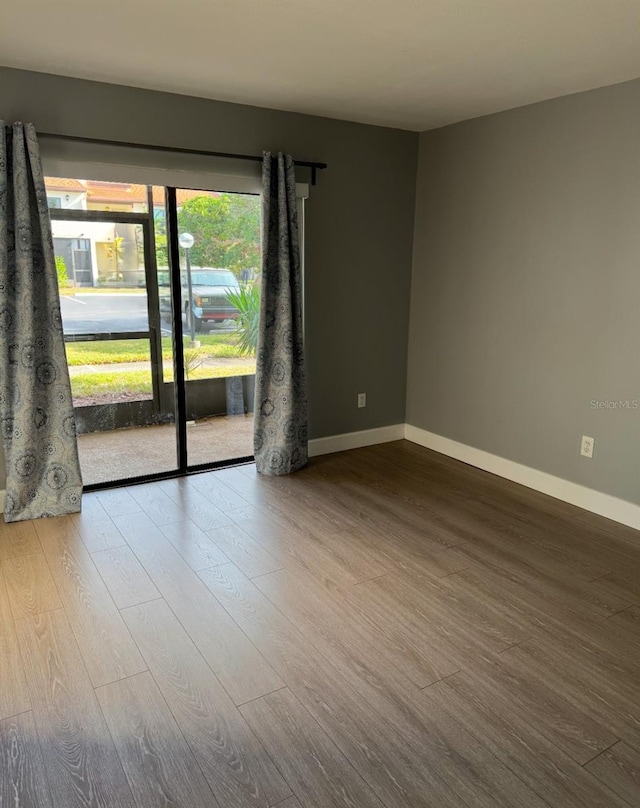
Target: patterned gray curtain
36, 410
280, 417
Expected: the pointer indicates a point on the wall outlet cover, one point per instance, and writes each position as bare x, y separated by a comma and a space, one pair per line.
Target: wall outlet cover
586, 447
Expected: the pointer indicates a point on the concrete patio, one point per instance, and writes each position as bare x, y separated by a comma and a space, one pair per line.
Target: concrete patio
123, 453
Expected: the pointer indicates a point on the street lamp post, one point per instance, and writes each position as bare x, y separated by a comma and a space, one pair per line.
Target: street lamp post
186, 241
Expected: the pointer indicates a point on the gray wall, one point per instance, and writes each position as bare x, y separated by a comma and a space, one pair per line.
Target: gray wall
525, 300
359, 221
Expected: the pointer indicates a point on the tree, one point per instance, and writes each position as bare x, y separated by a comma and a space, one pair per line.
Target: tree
226, 229
160, 229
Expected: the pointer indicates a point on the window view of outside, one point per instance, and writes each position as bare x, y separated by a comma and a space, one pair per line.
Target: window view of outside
105, 290
101, 277
224, 262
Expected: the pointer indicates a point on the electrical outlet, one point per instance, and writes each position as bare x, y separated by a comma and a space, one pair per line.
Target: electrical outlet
362, 399
586, 448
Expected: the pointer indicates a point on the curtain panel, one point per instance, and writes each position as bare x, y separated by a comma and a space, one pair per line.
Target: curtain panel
280, 417
36, 409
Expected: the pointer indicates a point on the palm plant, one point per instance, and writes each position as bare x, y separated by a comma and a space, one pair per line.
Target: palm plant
193, 359
247, 301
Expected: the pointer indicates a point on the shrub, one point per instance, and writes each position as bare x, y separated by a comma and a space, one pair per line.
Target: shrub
61, 270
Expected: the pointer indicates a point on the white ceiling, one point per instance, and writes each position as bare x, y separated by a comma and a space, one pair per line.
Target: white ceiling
413, 64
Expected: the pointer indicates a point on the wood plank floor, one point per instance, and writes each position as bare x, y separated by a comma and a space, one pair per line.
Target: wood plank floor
388, 627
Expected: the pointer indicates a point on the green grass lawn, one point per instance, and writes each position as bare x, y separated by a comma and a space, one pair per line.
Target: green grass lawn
132, 382
137, 350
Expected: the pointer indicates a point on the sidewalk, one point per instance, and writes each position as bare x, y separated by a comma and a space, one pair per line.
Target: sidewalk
74, 291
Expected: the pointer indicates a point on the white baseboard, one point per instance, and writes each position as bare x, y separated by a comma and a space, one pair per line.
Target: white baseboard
620, 510
355, 440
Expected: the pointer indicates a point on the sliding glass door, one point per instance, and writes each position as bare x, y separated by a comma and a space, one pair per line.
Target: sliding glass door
219, 253
159, 304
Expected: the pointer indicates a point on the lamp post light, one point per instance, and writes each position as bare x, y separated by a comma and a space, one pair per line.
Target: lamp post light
186, 241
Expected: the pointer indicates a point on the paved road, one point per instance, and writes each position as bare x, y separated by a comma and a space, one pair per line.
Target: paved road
106, 313
91, 313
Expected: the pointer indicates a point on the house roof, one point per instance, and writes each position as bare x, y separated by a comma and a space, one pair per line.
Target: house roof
63, 184
118, 193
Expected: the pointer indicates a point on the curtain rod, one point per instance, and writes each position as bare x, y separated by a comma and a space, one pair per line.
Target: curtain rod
177, 150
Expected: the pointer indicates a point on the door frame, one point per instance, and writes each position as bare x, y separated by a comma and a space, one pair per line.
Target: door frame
154, 332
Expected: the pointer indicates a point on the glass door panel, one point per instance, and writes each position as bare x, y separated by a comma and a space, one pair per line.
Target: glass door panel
118, 350
219, 238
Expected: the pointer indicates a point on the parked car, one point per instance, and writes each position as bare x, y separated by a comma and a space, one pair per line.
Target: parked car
210, 287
